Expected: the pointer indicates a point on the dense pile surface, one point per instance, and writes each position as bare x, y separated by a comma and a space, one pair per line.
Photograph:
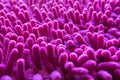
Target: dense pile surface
59, 39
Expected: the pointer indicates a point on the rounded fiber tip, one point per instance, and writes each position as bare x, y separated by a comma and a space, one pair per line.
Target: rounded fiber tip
68, 66
104, 75
112, 49
118, 54
78, 51
100, 41
37, 77
55, 75
50, 49
11, 60
35, 46
43, 52
79, 39
63, 58
82, 59
36, 55
73, 57
21, 69
6, 77
21, 61
106, 54
79, 70
90, 64
90, 53
108, 66
70, 44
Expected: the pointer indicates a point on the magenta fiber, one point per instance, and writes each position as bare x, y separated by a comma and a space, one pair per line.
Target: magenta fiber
59, 39
21, 69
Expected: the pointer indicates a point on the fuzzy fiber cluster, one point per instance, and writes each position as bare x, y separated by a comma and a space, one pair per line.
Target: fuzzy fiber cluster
59, 39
